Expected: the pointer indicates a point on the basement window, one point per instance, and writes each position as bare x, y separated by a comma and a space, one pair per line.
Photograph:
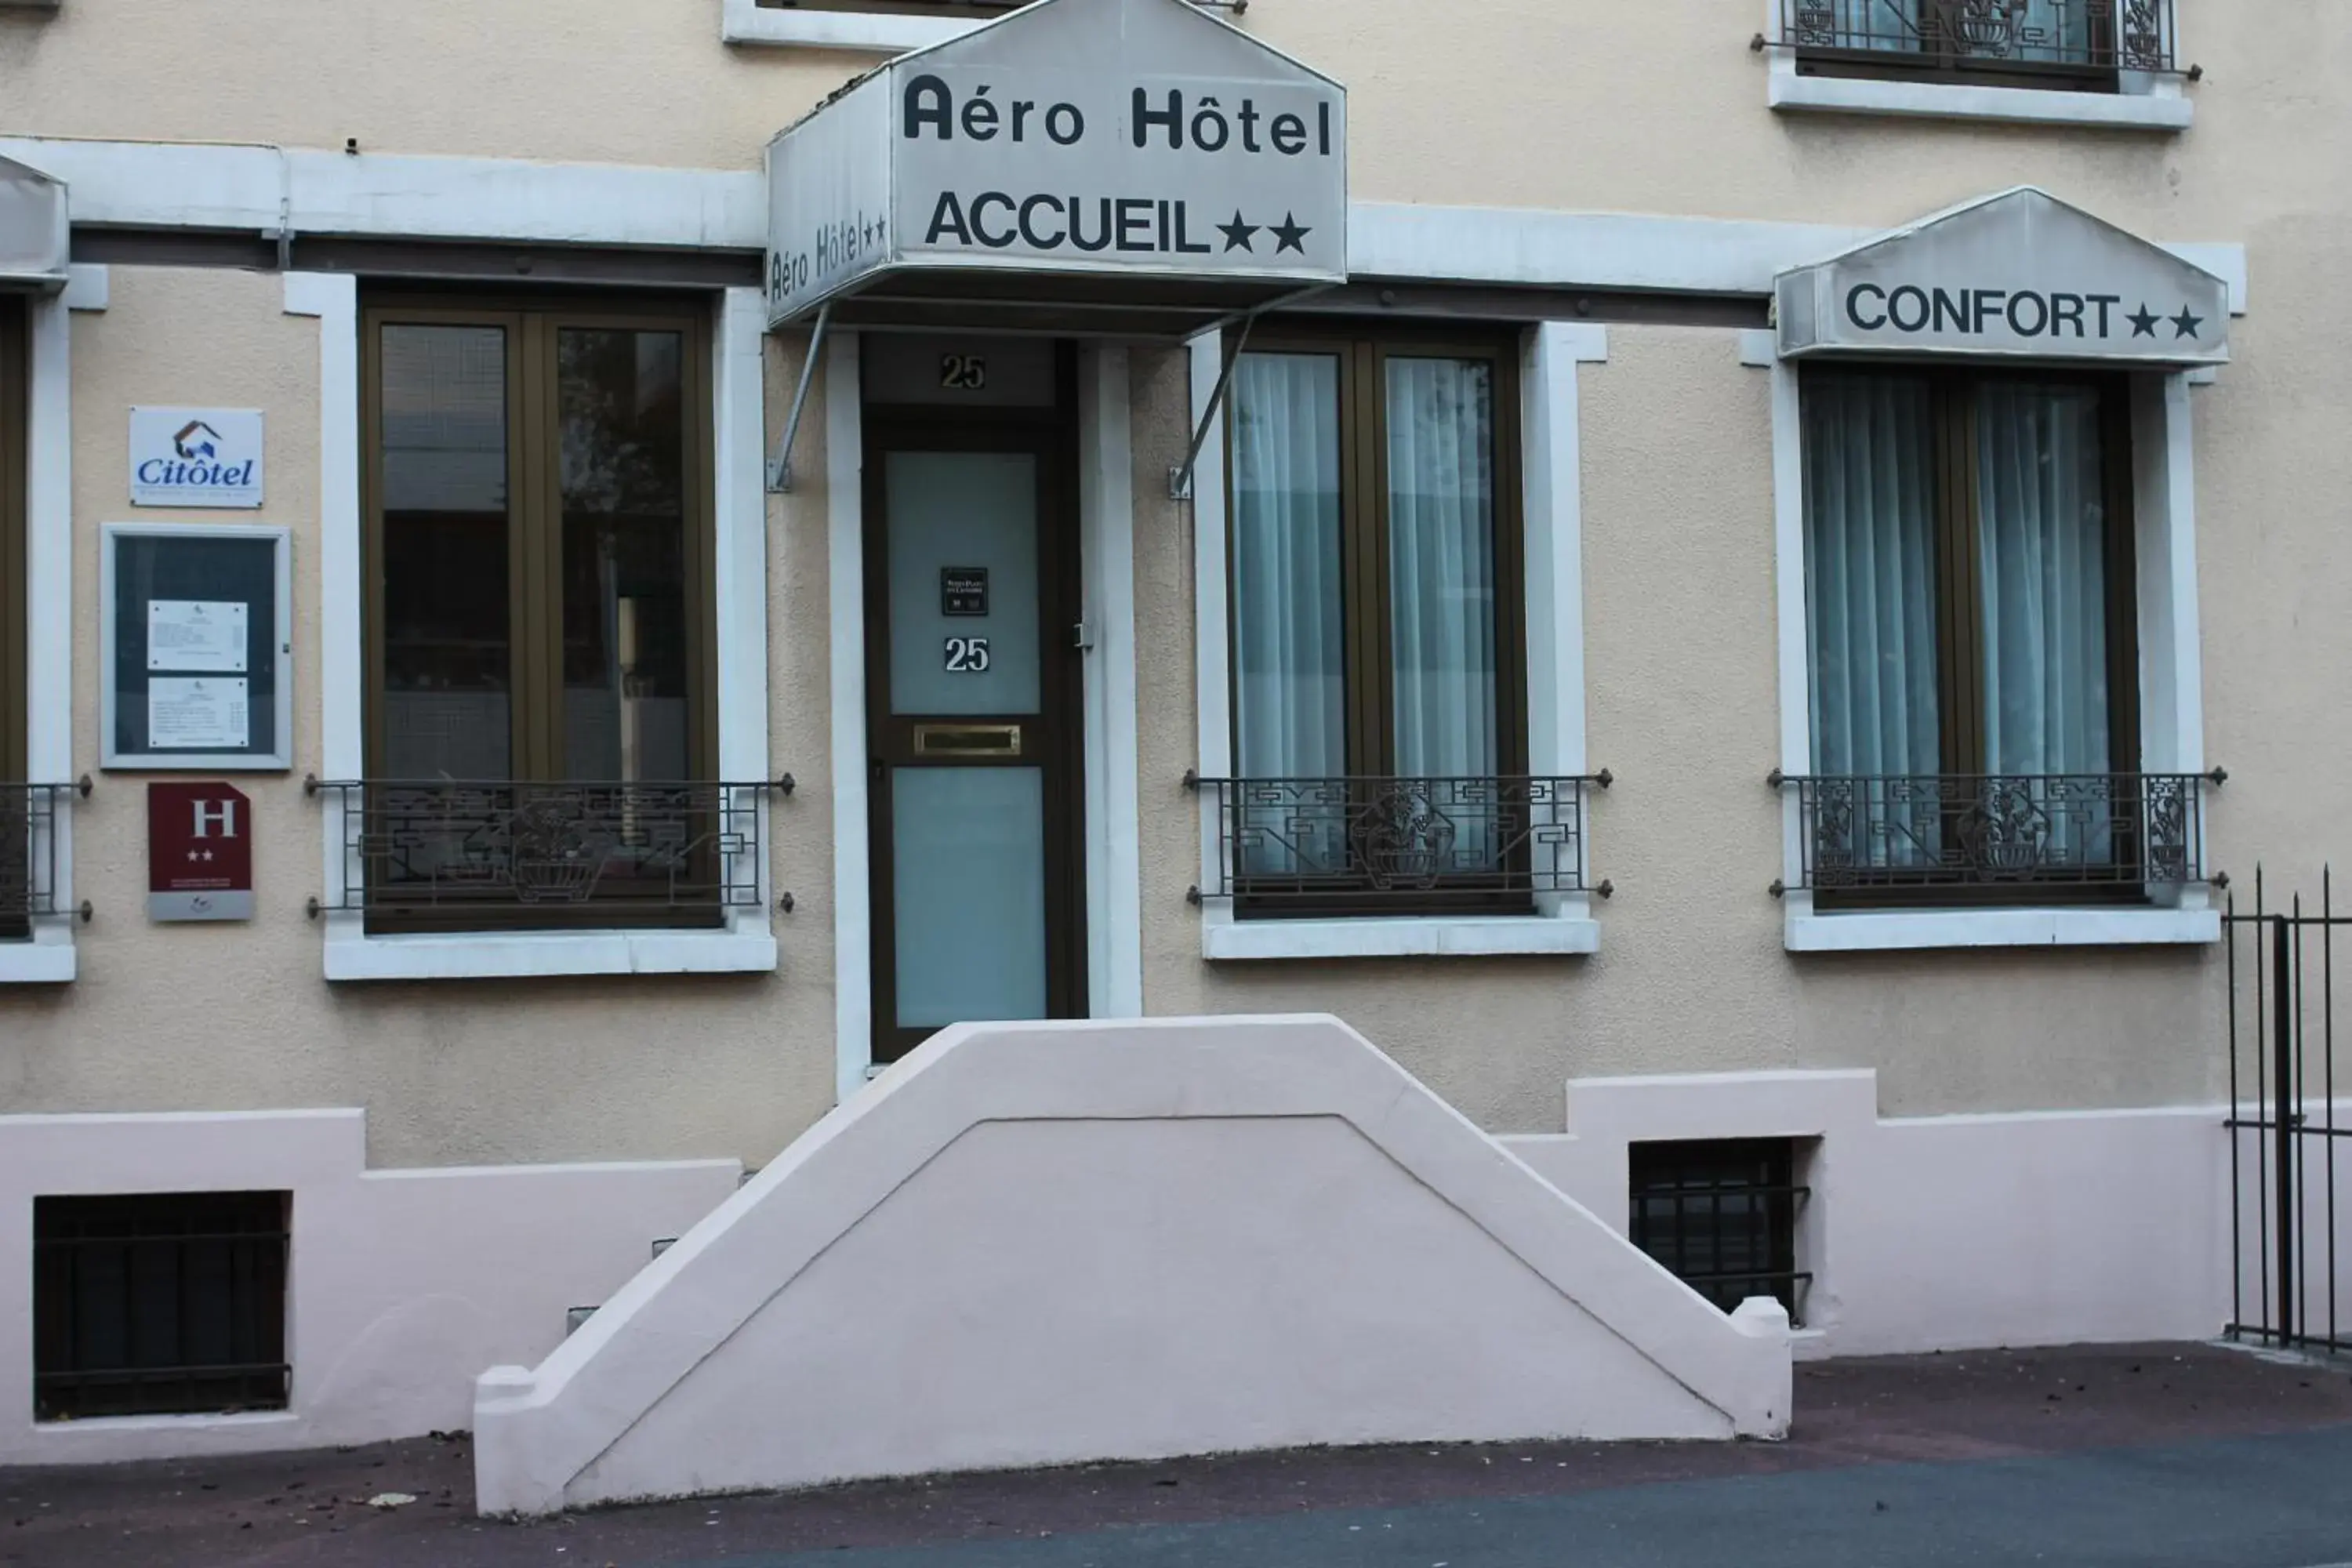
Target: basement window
1721, 1216
159, 1303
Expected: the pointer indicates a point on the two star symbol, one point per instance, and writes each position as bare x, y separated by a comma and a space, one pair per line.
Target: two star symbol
2143, 321
1288, 235
200, 853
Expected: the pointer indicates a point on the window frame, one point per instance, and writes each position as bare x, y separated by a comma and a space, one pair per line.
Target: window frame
533, 323
249, 1233
1363, 350
16, 560
1780, 1196
1957, 592
1951, 66
973, 11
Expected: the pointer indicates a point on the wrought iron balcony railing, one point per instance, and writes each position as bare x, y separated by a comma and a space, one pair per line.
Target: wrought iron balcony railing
29, 852
441, 846
2023, 832
2024, 37
1309, 842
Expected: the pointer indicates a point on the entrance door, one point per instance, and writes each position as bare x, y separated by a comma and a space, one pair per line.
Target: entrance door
972, 678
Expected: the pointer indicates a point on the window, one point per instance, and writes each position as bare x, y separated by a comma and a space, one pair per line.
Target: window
1721, 1216
2077, 45
1379, 706
1973, 643
17, 805
540, 738
159, 1303
975, 10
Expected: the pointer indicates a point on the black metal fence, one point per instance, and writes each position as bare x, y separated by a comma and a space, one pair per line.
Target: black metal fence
1392, 841
1991, 831
2027, 37
446, 847
2288, 1184
28, 852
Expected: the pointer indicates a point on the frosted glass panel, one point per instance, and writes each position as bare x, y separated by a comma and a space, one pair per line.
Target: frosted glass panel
969, 880
963, 538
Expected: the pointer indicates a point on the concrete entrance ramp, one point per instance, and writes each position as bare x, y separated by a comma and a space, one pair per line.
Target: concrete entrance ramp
1035, 1244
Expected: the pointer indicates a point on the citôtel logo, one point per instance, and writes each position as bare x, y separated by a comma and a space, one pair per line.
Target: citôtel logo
196, 460
195, 457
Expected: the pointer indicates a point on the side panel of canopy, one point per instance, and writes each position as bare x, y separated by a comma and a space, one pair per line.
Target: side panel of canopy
1126, 167
2018, 275
33, 235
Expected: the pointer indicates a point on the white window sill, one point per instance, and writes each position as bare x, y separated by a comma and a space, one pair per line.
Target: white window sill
743, 22
352, 955
1863, 933
1403, 937
96, 1428
35, 962
2157, 111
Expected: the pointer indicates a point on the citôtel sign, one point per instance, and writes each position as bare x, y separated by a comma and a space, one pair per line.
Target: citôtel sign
196, 457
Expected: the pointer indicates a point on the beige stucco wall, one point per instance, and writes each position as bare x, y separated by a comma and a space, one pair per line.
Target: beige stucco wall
238, 1016
1657, 108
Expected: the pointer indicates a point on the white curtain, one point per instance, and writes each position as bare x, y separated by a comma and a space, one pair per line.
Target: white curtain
1441, 565
1870, 601
2041, 556
1870, 574
1291, 694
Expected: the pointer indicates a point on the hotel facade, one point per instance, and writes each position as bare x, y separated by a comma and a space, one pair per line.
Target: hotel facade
576, 583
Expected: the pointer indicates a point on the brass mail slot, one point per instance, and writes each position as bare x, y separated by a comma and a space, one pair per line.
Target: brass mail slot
967, 740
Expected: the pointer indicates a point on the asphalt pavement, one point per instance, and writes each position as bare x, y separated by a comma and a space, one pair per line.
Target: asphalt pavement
2145, 1455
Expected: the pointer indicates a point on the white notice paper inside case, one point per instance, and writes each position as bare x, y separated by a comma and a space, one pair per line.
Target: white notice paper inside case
184, 713
196, 633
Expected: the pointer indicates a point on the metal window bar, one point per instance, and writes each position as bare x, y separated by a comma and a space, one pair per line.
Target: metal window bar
2025, 831
1722, 1217
29, 852
422, 845
1390, 840
2025, 38
159, 1303
2288, 1271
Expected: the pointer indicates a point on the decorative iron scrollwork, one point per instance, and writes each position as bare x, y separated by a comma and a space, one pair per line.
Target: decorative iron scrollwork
2029, 34
1988, 830
29, 853
446, 846
1392, 839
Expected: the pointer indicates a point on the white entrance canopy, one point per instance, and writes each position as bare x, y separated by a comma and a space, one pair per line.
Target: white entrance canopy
1129, 166
2017, 275
32, 228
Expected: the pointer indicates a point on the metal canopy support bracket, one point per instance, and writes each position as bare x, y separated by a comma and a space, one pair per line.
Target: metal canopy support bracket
1179, 479
780, 466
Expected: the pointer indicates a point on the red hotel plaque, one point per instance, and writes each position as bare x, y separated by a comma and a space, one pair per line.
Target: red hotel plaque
199, 852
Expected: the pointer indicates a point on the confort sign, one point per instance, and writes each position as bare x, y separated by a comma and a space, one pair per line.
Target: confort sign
1143, 138
2018, 274
196, 457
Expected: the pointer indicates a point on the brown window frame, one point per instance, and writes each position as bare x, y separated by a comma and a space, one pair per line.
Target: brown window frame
533, 323
1363, 350
977, 10
1959, 684
15, 393
1937, 61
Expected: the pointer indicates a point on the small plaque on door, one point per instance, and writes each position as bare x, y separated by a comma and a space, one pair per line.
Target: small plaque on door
963, 590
